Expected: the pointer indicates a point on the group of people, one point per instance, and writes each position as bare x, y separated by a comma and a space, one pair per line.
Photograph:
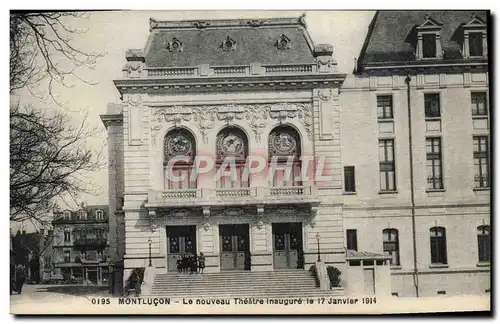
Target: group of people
191, 263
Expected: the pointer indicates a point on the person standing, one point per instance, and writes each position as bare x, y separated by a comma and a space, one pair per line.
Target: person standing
201, 262
179, 264
184, 263
193, 264
20, 278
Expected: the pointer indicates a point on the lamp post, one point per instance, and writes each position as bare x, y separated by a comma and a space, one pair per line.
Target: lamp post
150, 241
152, 228
319, 253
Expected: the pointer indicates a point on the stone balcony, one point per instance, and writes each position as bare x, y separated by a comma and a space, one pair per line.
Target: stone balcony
232, 196
205, 70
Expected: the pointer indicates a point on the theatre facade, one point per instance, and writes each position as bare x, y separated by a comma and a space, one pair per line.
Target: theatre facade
243, 91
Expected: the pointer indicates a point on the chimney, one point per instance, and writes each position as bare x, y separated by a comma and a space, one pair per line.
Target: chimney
323, 54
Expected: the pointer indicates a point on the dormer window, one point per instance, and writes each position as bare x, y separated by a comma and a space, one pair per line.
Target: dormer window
228, 45
475, 38
82, 214
283, 43
175, 45
429, 45
67, 214
476, 44
99, 215
429, 40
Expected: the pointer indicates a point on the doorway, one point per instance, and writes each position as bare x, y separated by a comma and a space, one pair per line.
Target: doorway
234, 246
180, 240
287, 244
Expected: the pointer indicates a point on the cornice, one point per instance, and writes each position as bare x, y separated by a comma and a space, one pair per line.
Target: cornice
109, 119
422, 67
224, 84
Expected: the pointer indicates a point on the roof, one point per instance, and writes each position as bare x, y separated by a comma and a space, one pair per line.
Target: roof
90, 209
202, 42
392, 34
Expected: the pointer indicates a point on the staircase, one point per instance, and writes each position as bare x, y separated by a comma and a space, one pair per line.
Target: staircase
271, 284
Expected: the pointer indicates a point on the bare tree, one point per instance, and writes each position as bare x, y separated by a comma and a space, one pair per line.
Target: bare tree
48, 159
42, 47
48, 156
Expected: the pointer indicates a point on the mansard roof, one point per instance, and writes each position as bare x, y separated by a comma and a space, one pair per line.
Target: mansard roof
392, 35
89, 210
192, 43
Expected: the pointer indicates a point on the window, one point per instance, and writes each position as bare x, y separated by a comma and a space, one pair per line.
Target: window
82, 214
178, 157
384, 107
99, 215
67, 214
438, 245
67, 256
481, 162
391, 244
476, 44
478, 104
483, 243
432, 106
67, 236
429, 45
387, 166
349, 179
352, 239
441, 292
284, 153
434, 163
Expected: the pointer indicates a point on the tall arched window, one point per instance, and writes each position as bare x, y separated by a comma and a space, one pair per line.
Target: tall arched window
391, 244
483, 243
232, 151
284, 156
179, 153
438, 245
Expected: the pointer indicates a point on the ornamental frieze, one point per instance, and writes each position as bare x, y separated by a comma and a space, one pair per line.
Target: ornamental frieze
255, 114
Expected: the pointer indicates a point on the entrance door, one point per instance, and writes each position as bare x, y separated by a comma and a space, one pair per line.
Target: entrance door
234, 243
92, 275
180, 240
287, 243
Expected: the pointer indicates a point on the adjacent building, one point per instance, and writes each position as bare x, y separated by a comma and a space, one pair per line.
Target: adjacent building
415, 135
80, 244
372, 185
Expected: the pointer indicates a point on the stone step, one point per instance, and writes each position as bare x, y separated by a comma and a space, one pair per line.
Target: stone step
241, 284
205, 280
276, 284
194, 275
233, 290
204, 277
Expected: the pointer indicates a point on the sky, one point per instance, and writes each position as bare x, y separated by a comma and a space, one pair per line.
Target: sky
114, 32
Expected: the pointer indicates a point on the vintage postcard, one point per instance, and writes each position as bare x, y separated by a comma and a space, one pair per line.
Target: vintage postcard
250, 162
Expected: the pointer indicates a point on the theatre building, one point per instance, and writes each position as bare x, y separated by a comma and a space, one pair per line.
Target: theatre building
229, 88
